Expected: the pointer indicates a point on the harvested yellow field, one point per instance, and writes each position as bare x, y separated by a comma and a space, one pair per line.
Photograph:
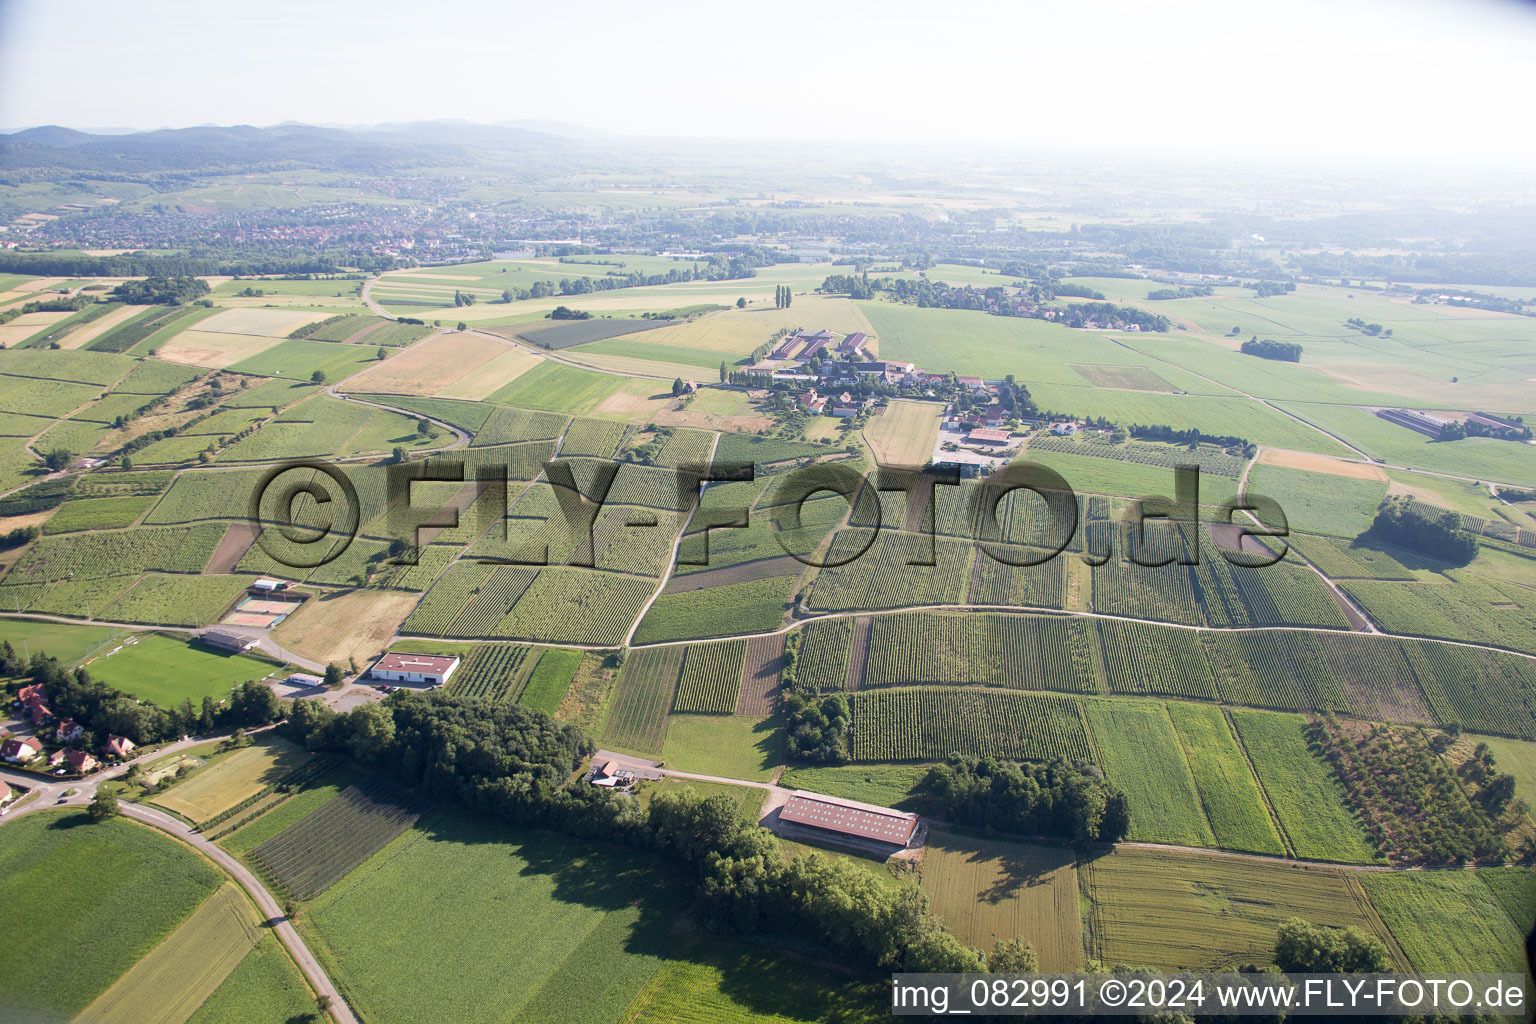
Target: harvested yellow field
238, 777
428, 368
26, 325
272, 323
904, 434
987, 891
424, 276
214, 349
1321, 464
179, 975
353, 624
494, 375
96, 328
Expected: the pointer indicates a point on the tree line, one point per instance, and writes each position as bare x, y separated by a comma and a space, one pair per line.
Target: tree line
515, 764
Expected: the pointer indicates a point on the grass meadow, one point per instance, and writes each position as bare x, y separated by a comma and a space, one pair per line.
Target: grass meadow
97, 896
1447, 921
569, 917
986, 891
167, 670
1170, 910
731, 746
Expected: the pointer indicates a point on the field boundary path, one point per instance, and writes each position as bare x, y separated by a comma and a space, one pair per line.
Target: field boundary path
318, 979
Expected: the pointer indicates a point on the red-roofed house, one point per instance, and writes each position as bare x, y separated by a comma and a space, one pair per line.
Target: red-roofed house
432, 669
5, 792
68, 730
117, 746
984, 435
813, 403
80, 761
39, 713
20, 750
27, 694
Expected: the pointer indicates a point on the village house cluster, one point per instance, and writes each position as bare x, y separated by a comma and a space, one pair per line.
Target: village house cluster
68, 756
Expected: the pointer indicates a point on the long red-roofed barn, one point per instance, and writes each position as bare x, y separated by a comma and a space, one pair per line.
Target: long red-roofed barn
848, 821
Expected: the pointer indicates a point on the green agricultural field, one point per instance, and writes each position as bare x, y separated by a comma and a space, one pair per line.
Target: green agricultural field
550, 679
1088, 474
1211, 415
755, 607
556, 387
730, 746
1339, 506
265, 989
70, 644
979, 344
1228, 791
181, 973
889, 785
571, 917
987, 891
306, 858
1170, 910
299, 360
1447, 921
109, 892
1515, 889
1301, 788
1139, 750
166, 670
1479, 457
928, 723
723, 981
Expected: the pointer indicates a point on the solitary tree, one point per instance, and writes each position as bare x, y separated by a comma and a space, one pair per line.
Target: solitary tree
724, 373
677, 387
334, 675
318, 377
741, 303
57, 459
423, 428
103, 806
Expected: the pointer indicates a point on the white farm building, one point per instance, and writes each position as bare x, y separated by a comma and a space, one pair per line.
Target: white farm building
427, 669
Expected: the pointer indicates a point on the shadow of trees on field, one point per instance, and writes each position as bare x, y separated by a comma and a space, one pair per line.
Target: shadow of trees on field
782, 975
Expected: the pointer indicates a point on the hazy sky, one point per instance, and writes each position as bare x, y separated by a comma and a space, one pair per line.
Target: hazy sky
1410, 79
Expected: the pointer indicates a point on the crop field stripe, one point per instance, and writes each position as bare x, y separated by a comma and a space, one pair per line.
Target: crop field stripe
1269, 806
319, 849
711, 678
638, 719
931, 722
760, 675
1229, 793
179, 975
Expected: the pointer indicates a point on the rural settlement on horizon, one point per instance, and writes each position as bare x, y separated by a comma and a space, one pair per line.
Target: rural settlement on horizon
571, 551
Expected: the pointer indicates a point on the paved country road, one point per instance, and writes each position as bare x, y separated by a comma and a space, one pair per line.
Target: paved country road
47, 795
318, 979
